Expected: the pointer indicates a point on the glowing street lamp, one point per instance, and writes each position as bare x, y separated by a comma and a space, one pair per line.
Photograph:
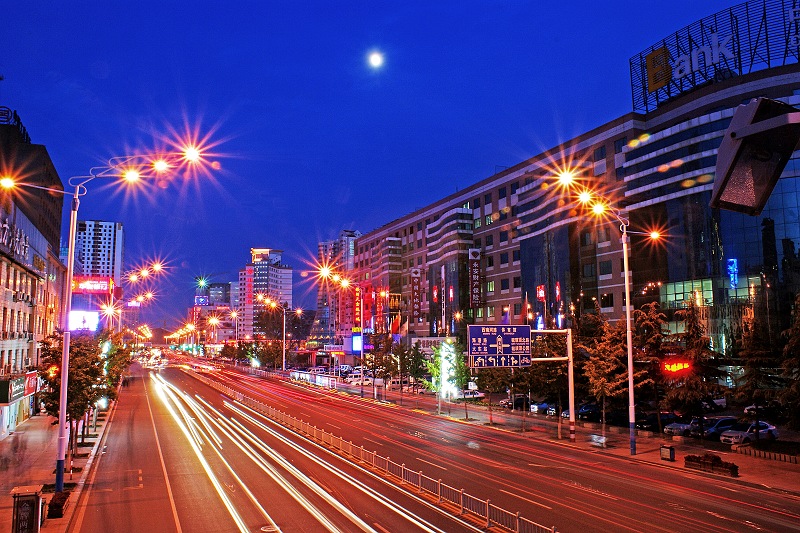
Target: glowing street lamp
325, 273
130, 169
598, 206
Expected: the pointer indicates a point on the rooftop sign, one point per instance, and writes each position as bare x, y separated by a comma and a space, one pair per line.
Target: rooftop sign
748, 37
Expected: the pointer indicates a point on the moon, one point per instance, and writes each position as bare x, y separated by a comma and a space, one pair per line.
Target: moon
376, 59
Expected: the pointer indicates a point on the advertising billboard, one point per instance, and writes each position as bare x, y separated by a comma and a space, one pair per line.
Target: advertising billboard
92, 285
84, 320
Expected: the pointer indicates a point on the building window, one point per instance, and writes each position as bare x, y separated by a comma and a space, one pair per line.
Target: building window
504, 213
503, 236
479, 312
514, 187
477, 243
504, 259
607, 300
517, 282
489, 261
515, 255
490, 240
487, 199
603, 235
488, 220
477, 223
476, 203
490, 311
517, 309
501, 193
586, 238
490, 286
588, 270
605, 268
600, 154
619, 144
419, 226
504, 284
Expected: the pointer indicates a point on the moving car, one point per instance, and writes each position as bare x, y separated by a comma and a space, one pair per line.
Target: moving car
744, 432
519, 402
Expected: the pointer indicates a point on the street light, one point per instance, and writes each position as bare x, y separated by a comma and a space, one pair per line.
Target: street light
127, 169
325, 273
275, 305
600, 207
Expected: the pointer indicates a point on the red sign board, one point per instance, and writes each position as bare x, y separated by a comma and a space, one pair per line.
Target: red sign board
540, 293
357, 309
31, 383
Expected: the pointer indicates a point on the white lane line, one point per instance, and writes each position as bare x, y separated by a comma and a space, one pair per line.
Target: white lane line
526, 499
373, 441
334, 425
430, 463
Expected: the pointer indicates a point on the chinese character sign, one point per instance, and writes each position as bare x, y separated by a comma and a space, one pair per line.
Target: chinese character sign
474, 277
416, 303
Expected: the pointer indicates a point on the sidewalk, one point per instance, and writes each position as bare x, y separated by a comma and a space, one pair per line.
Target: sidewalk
28, 457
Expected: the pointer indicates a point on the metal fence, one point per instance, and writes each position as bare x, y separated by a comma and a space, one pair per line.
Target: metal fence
412, 480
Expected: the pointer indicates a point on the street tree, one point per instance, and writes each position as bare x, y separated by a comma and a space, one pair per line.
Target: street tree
606, 369
699, 383
760, 380
790, 366
650, 333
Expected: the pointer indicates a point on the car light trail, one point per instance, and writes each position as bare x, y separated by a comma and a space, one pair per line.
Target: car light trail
377, 496
163, 394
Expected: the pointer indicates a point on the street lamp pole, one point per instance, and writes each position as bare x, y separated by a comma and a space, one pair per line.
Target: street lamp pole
628, 333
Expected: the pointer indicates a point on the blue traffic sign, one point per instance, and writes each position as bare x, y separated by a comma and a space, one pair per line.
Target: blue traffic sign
499, 346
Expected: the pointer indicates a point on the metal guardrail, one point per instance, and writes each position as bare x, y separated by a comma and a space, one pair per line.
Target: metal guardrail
494, 516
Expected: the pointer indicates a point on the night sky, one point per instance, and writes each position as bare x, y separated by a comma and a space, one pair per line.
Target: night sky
309, 138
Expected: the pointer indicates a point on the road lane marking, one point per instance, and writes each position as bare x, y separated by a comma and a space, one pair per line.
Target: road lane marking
373, 441
333, 425
527, 500
430, 463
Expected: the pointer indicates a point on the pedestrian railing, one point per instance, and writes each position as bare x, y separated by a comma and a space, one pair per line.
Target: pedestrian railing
443, 493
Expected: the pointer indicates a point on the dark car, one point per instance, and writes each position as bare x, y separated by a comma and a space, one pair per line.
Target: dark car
590, 412
518, 403
713, 426
650, 422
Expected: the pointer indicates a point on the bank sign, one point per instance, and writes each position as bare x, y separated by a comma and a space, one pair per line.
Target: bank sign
748, 37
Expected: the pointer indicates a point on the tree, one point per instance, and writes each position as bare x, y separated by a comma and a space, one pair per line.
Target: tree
649, 335
760, 379
493, 380
606, 369
446, 368
699, 384
86, 383
790, 366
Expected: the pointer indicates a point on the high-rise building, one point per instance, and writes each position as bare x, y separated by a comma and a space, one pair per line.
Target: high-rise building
265, 279
99, 245
339, 255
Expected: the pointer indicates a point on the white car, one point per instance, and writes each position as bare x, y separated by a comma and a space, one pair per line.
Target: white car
744, 432
681, 428
470, 395
359, 381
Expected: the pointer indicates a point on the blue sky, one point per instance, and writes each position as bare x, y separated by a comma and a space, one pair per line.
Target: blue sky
309, 139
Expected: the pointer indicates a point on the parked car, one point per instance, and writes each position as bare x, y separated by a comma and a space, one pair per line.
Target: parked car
539, 408
771, 410
361, 381
519, 402
470, 395
682, 426
744, 432
650, 422
590, 412
713, 427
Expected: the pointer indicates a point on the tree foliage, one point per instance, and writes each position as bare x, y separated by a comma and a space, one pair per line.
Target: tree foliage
790, 366
700, 383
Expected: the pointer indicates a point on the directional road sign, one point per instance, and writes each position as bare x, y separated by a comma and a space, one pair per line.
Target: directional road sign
500, 346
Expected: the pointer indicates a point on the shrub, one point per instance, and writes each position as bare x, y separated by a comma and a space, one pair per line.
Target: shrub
57, 505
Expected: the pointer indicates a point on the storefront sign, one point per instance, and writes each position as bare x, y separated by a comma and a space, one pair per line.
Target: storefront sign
416, 303
12, 390
474, 266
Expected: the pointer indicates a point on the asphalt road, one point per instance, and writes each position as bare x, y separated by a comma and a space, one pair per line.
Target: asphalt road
179, 456
550, 483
